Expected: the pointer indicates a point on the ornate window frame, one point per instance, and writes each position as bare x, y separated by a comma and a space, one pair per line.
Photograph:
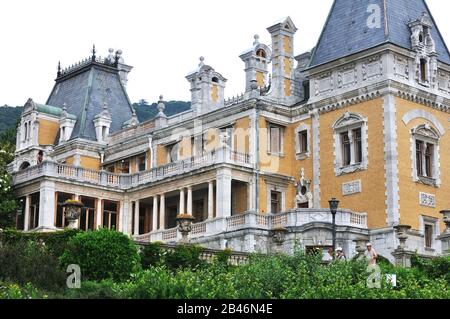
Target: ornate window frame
299, 155
276, 188
347, 123
434, 223
427, 134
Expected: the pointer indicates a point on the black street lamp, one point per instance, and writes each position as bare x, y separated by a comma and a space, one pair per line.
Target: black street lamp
334, 203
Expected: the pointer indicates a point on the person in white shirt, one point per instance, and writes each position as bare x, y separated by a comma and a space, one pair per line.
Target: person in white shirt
371, 254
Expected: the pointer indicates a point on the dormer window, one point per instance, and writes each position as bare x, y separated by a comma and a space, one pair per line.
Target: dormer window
215, 80
421, 38
261, 53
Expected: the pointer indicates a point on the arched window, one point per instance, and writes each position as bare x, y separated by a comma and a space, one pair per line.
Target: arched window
261, 53
215, 79
350, 144
24, 165
426, 154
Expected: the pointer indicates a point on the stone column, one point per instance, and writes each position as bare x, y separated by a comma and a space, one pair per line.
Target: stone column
155, 213
26, 223
223, 193
211, 200
181, 210
136, 217
126, 214
99, 212
47, 205
189, 201
162, 212
77, 223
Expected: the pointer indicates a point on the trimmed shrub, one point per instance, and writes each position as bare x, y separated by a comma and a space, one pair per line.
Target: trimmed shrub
56, 242
102, 254
438, 267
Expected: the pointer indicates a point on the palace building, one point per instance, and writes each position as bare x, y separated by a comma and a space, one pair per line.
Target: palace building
362, 117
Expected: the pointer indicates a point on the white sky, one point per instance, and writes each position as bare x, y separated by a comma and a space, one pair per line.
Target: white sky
162, 39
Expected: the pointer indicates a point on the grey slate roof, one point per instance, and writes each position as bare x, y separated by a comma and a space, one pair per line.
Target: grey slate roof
346, 31
85, 91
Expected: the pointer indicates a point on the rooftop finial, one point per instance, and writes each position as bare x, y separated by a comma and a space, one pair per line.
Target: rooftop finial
59, 69
93, 53
105, 106
161, 106
202, 61
256, 37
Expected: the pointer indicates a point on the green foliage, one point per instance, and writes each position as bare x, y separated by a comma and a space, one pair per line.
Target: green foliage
184, 256
152, 255
31, 262
9, 117
145, 111
223, 256
102, 254
55, 242
438, 267
14, 291
8, 203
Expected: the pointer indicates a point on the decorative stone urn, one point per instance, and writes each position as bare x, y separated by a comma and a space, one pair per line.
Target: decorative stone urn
360, 244
402, 235
72, 212
279, 235
446, 214
184, 222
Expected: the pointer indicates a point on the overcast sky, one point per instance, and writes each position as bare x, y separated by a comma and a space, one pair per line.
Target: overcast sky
161, 39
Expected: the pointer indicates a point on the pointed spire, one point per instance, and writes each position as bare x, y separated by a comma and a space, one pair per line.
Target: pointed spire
59, 69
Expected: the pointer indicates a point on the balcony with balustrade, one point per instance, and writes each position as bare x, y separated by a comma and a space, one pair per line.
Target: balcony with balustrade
292, 219
128, 181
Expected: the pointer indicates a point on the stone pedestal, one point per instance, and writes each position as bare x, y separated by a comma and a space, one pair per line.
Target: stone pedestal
184, 222
402, 255
279, 237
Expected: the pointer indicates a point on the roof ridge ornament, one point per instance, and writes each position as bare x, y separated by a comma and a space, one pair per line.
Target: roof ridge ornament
256, 37
93, 53
202, 61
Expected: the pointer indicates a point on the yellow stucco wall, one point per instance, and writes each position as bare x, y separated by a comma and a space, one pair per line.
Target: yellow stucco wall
372, 198
47, 132
241, 137
90, 162
410, 208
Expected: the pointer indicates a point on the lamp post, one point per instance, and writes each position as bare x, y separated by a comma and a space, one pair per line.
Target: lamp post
334, 203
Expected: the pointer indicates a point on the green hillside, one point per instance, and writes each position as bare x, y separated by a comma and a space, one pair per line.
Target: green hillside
9, 116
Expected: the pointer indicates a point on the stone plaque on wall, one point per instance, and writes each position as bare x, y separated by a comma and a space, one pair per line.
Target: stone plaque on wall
351, 188
428, 200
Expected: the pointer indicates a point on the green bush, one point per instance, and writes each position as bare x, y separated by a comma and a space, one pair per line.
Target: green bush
31, 262
102, 254
55, 241
184, 256
438, 267
14, 291
94, 290
152, 255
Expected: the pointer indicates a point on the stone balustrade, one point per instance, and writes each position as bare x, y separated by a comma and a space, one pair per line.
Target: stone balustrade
127, 181
251, 220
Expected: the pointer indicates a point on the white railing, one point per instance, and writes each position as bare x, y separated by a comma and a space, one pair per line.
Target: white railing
268, 222
126, 181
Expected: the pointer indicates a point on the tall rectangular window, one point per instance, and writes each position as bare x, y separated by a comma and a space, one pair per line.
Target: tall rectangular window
303, 140
87, 216
423, 70
419, 157
428, 236
358, 145
429, 160
276, 139
275, 202
141, 163
110, 214
346, 149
